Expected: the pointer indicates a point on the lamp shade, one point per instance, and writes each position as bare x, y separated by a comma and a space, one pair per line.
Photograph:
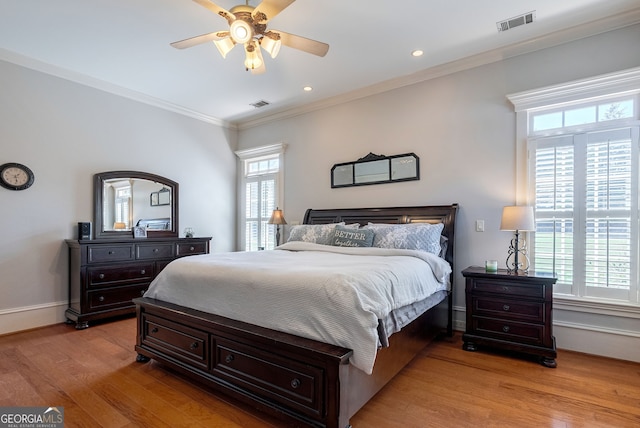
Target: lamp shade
224, 45
118, 225
277, 217
517, 218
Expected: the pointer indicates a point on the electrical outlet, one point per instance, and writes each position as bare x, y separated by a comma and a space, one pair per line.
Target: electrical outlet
479, 225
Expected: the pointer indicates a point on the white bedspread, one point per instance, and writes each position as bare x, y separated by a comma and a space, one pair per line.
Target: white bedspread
332, 294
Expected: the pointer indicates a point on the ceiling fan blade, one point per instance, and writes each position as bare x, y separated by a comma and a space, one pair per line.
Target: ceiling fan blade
270, 8
204, 38
298, 42
230, 17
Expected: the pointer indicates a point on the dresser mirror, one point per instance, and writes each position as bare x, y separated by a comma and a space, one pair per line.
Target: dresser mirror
124, 199
376, 169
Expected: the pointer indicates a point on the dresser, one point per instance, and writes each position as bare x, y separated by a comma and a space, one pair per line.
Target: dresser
105, 275
510, 311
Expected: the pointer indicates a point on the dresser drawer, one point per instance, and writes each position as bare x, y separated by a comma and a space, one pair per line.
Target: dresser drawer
111, 253
509, 330
119, 274
509, 309
297, 386
154, 251
176, 340
508, 288
187, 249
117, 297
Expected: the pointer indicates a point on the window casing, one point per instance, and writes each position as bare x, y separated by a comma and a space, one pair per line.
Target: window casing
578, 165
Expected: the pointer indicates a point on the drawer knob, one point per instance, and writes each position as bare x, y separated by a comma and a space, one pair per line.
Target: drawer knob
101, 276
229, 358
295, 383
194, 346
154, 330
101, 299
110, 252
506, 307
155, 250
191, 248
506, 329
504, 288
142, 272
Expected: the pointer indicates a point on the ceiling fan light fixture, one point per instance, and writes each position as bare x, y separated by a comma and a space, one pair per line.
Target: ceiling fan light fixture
224, 46
241, 31
270, 45
253, 59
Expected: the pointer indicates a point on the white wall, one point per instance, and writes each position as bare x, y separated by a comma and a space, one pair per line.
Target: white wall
463, 129
65, 133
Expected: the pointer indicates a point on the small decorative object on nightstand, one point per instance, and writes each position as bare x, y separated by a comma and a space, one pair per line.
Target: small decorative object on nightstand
510, 310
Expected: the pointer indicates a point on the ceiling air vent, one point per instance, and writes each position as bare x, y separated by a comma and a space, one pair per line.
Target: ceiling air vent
260, 103
516, 21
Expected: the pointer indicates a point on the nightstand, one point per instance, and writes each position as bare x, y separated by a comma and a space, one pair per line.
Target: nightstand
510, 311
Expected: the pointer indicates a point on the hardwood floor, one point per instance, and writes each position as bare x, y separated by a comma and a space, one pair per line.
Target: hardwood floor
93, 374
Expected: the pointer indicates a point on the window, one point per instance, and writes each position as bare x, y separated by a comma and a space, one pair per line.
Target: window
261, 190
583, 166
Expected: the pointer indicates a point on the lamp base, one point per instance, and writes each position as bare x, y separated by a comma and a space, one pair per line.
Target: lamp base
517, 258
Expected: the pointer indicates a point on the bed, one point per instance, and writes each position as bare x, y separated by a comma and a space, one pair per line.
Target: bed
295, 377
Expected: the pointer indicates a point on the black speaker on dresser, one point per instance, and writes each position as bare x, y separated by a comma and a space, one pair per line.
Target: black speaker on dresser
84, 230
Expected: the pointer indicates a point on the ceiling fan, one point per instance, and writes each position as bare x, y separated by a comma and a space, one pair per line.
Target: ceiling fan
248, 27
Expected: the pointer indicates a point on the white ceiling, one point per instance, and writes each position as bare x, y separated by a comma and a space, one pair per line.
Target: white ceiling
123, 46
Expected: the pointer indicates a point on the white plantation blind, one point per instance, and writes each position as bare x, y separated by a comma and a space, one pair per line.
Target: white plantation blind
586, 203
260, 193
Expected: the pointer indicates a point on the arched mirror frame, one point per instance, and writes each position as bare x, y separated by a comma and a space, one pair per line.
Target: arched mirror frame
98, 192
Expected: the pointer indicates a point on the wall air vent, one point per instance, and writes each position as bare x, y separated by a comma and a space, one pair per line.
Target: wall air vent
260, 103
516, 21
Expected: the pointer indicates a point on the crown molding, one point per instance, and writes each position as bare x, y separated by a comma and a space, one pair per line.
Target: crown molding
82, 79
556, 38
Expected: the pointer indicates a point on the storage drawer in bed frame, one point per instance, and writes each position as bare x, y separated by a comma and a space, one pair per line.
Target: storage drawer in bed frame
244, 361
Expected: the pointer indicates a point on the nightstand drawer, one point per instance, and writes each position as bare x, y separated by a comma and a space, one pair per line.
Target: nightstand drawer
508, 288
508, 309
509, 330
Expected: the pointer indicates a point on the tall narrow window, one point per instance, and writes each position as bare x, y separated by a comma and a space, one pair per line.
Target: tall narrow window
261, 191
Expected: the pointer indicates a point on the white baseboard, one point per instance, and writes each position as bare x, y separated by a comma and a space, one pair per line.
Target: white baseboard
28, 317
619, 344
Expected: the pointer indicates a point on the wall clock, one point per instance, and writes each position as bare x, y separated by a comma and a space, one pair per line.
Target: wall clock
15, 176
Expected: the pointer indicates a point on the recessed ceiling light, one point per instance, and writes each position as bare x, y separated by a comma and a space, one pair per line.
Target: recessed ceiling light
417, 52
307, 89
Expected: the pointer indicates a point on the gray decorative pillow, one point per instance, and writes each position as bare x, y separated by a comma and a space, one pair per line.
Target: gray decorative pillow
350, 237
413, 236
316, 233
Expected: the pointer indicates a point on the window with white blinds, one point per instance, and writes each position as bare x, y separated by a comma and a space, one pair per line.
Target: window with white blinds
261, 191
585, 186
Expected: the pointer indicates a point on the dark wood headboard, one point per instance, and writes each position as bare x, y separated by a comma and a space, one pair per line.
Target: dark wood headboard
397, 215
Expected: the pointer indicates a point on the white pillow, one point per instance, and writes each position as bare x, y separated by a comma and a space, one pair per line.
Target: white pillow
410, 236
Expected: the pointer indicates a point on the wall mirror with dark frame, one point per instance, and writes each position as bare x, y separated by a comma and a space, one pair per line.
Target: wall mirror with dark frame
376, 169
124, 199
